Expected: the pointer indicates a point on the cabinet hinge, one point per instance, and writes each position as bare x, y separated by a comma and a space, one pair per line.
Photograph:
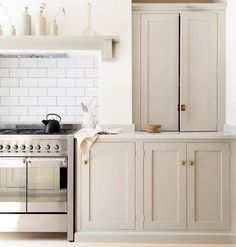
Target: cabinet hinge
178, 107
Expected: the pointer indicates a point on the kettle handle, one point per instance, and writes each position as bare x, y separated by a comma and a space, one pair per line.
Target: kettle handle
53, 114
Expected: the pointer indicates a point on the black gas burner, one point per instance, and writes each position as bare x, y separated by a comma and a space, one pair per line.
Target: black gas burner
33, 132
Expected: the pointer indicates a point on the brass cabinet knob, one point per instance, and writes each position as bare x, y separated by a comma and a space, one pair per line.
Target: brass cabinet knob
183, 107
183, 162
191, 163
85, 162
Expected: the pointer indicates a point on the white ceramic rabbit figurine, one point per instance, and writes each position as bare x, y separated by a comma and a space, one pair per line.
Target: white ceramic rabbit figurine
89, 116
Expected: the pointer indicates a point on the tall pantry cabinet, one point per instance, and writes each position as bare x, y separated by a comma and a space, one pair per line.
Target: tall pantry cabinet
179, 66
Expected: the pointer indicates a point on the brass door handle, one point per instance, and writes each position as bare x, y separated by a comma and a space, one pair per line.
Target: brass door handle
85, 162
183, 162
191, 163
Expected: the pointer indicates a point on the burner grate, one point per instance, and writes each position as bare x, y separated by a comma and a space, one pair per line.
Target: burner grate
33, 132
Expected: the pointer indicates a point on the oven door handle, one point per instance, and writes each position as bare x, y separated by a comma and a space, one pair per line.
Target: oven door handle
47, 162
12, 162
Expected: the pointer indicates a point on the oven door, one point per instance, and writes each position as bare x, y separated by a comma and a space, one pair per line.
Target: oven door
47, 185
12, 185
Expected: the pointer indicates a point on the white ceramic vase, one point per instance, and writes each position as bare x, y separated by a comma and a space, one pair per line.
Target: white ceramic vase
89, 120
54, 27
26, 22
40, 28
1, 30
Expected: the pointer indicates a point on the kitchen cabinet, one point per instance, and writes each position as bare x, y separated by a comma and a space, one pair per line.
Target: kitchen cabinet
208, 186
179, 67
160, 70
108, 186
205, 167
165, 186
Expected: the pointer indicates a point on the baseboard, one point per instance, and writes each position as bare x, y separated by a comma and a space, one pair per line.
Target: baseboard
153, 237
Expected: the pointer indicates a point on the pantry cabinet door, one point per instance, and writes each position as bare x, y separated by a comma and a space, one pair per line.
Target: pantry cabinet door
165, 186
108, 187
208, 186
198, 77
159, 70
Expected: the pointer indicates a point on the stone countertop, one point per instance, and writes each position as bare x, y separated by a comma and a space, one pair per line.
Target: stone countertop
169, 135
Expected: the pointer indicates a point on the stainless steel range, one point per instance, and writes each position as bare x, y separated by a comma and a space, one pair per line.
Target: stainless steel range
36, 180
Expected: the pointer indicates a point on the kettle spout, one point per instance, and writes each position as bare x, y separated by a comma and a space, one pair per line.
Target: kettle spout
45, 122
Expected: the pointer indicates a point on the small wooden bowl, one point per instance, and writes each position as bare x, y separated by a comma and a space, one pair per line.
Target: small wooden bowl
154, 128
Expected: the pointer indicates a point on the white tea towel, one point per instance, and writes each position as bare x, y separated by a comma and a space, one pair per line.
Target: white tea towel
86, 137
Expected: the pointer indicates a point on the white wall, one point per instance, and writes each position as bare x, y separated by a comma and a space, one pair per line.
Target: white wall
231, 63
110, 17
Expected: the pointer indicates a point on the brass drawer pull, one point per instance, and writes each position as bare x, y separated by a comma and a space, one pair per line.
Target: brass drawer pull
85, 162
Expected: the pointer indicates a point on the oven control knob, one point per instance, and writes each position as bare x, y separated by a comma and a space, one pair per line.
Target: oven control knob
38, 147
22, 147
1, 147
8, 147
15, 147
56, 147
47, 147
30, 147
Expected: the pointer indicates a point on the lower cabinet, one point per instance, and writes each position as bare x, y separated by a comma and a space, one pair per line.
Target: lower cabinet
108, 186
186, 186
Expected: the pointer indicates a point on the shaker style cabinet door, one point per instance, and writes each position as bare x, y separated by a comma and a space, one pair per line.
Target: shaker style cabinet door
108, 187
208, 186
198, 77
159, 70
165, 186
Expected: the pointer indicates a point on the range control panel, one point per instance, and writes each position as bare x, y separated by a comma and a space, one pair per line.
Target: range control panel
32, 146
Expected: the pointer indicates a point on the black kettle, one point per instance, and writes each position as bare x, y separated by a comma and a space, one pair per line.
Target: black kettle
52, 125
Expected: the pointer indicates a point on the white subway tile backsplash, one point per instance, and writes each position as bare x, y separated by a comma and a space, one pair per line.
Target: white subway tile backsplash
75, 73
37, 91
9, 62
9, 119
4, 91
28, 82
61, 110
18, 73
47, 101
38, 110
75, 91
28, 119
66, 62
4, 110
85, 62
4, 72
28, 101
30, 88
56, 73
91, 73
47, 63
56, 91
18, 110
85, 82
8, 101
74, 111
9, 82
66, 82
37, 72
19, 91
28, 62
91, 92
47, 82
66, 101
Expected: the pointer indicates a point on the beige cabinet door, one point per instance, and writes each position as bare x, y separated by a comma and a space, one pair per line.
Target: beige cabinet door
108, 187
159, 70
208, 186
198, 77
165, 186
